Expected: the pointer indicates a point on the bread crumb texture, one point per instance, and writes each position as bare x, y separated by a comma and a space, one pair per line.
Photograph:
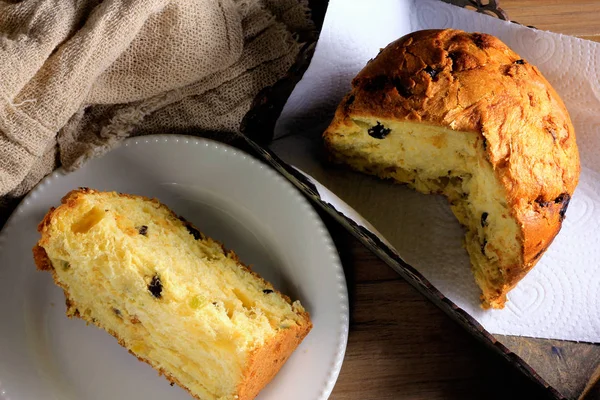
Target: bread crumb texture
461, 114
173, 297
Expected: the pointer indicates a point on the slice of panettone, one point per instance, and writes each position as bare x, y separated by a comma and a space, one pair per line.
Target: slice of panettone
170, 295
461, 114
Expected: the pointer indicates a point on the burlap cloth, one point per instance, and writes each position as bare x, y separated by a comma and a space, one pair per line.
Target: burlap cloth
76, 77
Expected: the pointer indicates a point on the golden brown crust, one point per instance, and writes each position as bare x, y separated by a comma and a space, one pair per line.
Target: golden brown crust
262, 365
473, 82
40, 257
267, 360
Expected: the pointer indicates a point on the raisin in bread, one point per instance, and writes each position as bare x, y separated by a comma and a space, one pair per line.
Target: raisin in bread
461, 114
170, 295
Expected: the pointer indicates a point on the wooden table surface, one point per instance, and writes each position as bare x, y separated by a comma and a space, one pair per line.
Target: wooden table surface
400, 345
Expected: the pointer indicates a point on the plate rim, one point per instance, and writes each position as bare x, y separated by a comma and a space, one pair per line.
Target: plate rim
342, 289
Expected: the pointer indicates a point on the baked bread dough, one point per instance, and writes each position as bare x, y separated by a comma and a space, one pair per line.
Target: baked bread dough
173, 297
461, 114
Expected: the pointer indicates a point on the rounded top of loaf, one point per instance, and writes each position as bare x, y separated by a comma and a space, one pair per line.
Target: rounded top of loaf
473, 82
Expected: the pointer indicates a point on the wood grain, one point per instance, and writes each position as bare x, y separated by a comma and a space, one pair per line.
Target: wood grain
568, 366
576, 18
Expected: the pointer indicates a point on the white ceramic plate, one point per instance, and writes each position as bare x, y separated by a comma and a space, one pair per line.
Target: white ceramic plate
227, 194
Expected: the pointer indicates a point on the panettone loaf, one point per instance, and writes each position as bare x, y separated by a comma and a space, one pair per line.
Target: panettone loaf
170, 295
461, 114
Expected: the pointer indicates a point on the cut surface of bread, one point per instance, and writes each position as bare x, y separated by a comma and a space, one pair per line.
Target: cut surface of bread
172, 296
461, 114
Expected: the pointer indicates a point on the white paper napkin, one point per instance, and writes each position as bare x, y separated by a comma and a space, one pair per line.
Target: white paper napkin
560, 297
